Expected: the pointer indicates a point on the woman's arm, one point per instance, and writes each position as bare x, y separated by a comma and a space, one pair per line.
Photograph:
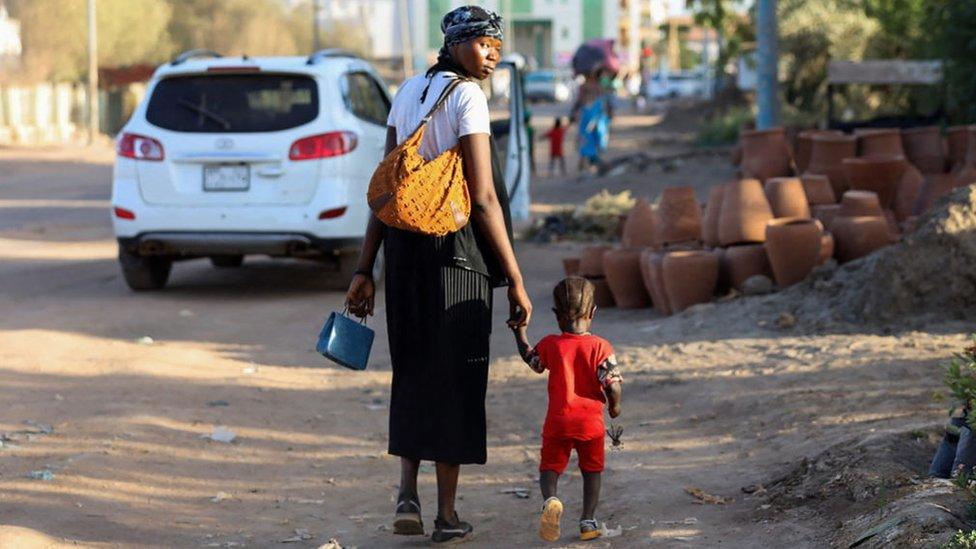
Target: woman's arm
487, 213
362, 289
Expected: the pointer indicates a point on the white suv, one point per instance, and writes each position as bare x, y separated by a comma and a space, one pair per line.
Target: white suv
229, 156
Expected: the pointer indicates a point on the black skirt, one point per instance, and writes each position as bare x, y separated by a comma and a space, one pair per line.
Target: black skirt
439, 325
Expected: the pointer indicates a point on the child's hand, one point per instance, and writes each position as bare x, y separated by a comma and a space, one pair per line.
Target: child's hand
614, 409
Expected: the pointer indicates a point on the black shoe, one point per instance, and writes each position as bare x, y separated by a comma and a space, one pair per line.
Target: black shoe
407, 520
446, 532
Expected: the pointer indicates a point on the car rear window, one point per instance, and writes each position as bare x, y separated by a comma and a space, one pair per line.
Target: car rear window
233, 103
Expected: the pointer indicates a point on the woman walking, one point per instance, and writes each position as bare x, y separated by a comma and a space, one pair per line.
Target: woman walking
439, 289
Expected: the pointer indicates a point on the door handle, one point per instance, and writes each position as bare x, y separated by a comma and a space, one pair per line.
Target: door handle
276, 171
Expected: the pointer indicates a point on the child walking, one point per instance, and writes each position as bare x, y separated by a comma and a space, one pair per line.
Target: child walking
555, 137
582, 377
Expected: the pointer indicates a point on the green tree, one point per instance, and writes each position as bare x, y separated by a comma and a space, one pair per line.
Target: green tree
951, 27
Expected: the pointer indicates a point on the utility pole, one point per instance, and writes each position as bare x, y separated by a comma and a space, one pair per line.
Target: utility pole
406, 44
315, 26
92, 74
767, 95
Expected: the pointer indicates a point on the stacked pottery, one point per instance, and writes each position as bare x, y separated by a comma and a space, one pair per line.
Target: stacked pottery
878, 141
925, 149
934, 186
571, 266
793, 246
965, 169
623, 276
859, 227
827, 247
712, 210
908, 192
591, 267
640, 226
817, 189
804, 146
957, 138
787, 198
879, 174
651, 267
744, 213
689, 277
826, 159
745, 261
825, 213
765, 153
679, 216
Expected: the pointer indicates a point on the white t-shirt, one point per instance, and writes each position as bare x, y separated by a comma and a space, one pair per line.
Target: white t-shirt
464, 113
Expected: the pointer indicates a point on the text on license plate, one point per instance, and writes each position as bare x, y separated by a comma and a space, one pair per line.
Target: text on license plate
226, 177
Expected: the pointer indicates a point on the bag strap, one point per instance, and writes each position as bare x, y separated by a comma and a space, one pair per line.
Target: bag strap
441, 100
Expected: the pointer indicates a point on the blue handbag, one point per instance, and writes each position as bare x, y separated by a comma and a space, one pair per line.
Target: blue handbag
345, 341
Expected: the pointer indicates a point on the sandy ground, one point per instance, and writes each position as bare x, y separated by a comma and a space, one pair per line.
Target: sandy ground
713, 399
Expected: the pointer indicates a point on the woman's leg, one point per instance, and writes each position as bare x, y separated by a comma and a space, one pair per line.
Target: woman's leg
447, 481
408, 479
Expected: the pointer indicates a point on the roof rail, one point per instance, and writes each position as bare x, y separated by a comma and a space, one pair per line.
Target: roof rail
329, 52
193, 54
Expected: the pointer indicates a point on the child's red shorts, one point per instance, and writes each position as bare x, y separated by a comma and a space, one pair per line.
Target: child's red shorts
555, 454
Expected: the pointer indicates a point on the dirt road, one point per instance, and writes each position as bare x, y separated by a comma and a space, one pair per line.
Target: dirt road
713, 399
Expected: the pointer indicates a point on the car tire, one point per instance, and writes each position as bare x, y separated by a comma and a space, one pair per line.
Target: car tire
341, 272
227, 261
145, 272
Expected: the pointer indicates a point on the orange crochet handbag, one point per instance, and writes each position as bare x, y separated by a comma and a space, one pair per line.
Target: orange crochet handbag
411, 193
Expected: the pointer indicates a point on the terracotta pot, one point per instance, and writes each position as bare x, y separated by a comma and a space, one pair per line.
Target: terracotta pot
858, 236
828, 153
624, 278
826, 247
935, 185
591, 261
571, 265
818, 189
879, 141
787, 198
724, 282
640, 226
793, 248
744, 261
765, 153
879, 174
957, 138
825, 213
804, 146
965, 171
679, 216
689, 278
651, 267
909, 187
744, 214
855, 203
602, 296
924, 148
713, 208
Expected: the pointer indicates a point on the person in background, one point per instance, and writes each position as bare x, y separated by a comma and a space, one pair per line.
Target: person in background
555, 137
594, 109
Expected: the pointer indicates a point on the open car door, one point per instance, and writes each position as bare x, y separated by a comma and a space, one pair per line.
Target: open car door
508, 126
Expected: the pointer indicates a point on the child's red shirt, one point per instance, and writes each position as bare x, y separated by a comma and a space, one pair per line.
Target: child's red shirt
555, 137
579, 365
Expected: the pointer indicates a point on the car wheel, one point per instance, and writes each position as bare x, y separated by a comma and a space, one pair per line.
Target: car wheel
222, 261
342, 271
145, 272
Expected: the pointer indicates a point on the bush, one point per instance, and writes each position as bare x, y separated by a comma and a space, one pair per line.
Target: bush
723, 129
961, 540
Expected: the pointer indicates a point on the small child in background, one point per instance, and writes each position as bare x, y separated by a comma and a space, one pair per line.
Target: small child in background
582, 377
555, 137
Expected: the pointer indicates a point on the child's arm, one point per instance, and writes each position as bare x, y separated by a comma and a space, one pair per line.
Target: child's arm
610, 379
526, 351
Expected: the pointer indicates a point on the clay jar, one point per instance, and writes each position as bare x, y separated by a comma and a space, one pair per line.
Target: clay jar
858, 236
689, 277
679, 216
651, 268
875, 141
935, 185
744, 214
804, 146
765, 153
793, 248
787, 198
826, 157
744, 261
965, 172
602, 296
591, 261
855, 203
826, 247
879, 173
640, 226
571, 266
818, 189
925, 149
622, 268
713, 209
909, 188
825, 213
956, 139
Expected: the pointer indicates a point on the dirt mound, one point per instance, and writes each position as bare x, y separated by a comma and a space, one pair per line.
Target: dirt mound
933, 270
875, 492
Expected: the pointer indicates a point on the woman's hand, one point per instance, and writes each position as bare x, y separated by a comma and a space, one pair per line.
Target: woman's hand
519, 306
361, 295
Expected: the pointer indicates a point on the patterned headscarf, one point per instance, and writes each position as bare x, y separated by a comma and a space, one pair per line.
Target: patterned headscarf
469, 22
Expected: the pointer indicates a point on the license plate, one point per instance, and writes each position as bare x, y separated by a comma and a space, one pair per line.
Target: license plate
226, 178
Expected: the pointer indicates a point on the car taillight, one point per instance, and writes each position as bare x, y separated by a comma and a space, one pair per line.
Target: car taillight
123, 213
139, 147
324, 145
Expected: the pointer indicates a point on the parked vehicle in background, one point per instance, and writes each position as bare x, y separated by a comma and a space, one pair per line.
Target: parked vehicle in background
232, 156
548, 85
665, 85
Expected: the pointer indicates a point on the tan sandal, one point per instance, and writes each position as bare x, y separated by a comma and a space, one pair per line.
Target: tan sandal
552, 511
